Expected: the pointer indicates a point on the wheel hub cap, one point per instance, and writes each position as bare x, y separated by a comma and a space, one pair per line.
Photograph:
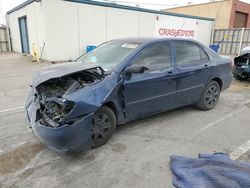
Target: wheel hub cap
212, 95
100, 127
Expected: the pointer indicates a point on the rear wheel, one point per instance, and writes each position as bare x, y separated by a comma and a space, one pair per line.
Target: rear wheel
210, 96
103, 127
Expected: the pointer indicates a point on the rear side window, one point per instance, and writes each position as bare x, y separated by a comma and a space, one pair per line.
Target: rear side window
155, 57
188, 53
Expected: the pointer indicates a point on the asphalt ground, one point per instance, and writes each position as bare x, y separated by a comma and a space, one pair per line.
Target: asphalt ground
138, 154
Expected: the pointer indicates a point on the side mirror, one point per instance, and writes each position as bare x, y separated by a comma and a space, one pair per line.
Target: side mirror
135, 69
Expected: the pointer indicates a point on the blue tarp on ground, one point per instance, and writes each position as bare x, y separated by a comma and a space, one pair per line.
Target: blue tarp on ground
209, 171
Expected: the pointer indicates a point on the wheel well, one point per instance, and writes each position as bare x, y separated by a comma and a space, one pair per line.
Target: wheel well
112, 106
218, 80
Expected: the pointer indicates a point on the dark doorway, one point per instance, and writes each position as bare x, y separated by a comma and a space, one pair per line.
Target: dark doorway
240, 20
24, 34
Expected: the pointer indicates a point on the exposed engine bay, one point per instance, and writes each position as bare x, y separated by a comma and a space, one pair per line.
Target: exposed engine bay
241, 70
243, 60
53, 106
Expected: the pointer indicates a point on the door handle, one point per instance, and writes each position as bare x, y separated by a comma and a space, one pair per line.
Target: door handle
169, 75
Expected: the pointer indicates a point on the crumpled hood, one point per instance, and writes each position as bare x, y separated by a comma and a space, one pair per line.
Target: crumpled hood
56, 71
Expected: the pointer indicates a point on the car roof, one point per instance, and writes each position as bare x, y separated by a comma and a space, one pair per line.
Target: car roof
145, 40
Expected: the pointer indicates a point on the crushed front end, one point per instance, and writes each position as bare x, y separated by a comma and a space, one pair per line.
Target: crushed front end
241, 68
62, 124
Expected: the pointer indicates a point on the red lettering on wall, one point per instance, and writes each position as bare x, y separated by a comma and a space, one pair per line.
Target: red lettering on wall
176, 32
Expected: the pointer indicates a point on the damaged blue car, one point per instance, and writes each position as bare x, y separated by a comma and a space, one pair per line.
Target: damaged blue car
76, 106
241, 69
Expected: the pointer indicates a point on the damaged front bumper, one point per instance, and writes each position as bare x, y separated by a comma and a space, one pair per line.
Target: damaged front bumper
55, 111
238, 70
66, 138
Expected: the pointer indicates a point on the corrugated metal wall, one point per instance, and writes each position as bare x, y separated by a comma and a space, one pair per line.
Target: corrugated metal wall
4, 46
234, 40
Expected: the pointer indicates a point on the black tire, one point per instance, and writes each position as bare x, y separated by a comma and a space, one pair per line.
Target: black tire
210, 96
103, 126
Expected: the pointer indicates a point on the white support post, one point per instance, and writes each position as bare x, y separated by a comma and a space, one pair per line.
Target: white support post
8, 34
212, 33
241, 40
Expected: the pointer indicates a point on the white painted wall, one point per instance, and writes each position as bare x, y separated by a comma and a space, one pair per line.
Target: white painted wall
147, 24
62, 30
205, 31
35, 26
92, 29
122, 23
67, 27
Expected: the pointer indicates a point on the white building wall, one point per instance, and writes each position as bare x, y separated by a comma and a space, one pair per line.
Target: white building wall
205, 31
62, 30
67, 27
91, 32
35, 26
122, 23
147, 24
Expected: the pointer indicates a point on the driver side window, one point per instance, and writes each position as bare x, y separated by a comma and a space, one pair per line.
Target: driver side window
155, 57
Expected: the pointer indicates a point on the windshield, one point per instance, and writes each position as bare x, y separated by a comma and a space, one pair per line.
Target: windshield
110, 54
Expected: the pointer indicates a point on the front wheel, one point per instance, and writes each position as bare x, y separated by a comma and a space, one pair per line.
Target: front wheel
103, 126
210, 96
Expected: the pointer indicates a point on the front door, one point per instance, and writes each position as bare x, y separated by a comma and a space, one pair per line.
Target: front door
192, 72
24, 34
154, 90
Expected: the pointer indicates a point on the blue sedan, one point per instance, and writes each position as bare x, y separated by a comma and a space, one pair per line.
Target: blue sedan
76, 106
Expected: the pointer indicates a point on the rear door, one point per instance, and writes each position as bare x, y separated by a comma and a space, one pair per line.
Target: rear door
192, 71
154, 90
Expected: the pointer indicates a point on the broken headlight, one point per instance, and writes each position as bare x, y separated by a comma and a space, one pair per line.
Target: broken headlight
53, 110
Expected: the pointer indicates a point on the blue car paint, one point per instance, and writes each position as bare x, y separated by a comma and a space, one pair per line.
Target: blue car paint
149, 92
67, 138
78, 136
130, 98
191, 80
96, 95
